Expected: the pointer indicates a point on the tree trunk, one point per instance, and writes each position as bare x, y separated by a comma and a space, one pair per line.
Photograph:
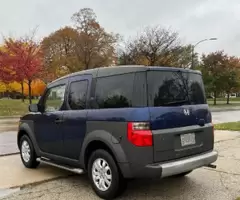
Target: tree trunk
228, 96
30, 91
215, 98
22, 91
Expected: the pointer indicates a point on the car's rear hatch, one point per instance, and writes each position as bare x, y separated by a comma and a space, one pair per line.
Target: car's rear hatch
180, 118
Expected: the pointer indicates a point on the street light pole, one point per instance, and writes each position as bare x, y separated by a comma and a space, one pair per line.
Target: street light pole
193, 47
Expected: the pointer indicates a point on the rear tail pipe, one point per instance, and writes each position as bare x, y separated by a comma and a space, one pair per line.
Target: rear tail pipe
212, 166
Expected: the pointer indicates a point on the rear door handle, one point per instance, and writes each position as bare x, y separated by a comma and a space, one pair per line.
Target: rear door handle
58, 121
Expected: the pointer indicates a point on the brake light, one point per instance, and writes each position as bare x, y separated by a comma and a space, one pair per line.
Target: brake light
139, 134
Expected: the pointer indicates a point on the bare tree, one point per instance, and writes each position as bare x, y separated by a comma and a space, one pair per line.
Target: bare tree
154, 45
95, 47
84, 19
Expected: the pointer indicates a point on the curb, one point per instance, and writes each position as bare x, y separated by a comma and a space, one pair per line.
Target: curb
9, 154
224, 109
10, 117
24, 186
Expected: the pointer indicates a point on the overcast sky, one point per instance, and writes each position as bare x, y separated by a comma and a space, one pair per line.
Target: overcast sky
193, 19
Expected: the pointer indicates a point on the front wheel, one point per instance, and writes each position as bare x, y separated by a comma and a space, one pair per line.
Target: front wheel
27, 152
105, 177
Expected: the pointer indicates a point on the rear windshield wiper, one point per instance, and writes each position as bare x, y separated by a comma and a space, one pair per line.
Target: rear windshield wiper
176, 103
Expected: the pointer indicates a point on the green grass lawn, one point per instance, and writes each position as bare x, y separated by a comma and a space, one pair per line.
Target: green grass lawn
10, 107
231, 126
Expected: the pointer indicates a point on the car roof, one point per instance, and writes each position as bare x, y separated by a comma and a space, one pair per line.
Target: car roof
123, 69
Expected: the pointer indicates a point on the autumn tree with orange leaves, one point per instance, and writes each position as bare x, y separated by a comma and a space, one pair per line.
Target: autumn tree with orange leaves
86, 45
23, 60
59, 50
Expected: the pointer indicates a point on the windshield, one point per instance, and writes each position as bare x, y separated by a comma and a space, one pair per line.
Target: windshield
175, 88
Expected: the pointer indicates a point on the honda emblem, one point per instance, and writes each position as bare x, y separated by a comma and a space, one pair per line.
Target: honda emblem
186, 111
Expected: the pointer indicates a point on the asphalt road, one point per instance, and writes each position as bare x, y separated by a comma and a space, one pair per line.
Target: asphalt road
8, 143
226, 116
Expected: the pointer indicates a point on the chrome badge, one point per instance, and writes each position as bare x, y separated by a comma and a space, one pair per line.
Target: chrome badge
186, 111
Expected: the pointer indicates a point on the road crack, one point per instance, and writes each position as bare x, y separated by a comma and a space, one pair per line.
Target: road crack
226, 188
220, 171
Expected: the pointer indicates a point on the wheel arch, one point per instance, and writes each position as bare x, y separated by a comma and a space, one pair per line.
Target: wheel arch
101, 140
94, 145
21, 133
26, 128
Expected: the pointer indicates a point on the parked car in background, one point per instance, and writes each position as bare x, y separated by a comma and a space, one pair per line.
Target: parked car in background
119, 123
232, 95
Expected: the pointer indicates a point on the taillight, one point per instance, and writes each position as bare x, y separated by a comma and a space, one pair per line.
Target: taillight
139, 134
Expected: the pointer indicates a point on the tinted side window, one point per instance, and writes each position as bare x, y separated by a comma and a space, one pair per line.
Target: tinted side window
54, 98
115, 91
78, 95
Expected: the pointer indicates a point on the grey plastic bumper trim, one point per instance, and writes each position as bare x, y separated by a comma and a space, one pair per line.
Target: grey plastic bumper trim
178, 167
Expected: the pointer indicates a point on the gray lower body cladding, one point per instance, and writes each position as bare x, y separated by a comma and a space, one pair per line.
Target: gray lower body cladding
171, 168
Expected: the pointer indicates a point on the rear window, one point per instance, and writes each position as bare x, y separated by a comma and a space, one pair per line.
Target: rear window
175, 88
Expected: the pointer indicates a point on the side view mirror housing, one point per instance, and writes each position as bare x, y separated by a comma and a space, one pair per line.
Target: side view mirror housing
33, 108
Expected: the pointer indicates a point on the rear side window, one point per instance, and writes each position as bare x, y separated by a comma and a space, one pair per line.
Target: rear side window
78, 95
170, 88
115, 91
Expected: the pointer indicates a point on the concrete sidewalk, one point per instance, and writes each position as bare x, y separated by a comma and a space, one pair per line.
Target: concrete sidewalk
14, 174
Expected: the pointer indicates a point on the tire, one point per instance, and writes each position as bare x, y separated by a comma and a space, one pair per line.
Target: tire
117, 183
183, 174
27, 152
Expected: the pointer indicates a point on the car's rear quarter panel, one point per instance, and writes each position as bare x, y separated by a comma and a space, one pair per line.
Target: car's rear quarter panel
114, 121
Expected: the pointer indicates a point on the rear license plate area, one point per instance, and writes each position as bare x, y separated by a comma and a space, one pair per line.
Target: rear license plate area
187, 139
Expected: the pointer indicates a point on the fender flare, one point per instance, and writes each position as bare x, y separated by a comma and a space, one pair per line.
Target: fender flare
28, 127
106, 138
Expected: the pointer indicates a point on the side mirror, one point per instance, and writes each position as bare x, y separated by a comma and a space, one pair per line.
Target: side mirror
33, 108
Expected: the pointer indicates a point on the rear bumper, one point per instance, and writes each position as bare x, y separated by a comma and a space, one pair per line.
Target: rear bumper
189, 164
175, 167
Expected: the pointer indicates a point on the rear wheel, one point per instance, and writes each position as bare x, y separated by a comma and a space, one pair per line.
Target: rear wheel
105, 177
27, 152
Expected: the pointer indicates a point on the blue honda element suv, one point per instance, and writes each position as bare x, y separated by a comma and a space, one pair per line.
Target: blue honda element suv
120, 123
